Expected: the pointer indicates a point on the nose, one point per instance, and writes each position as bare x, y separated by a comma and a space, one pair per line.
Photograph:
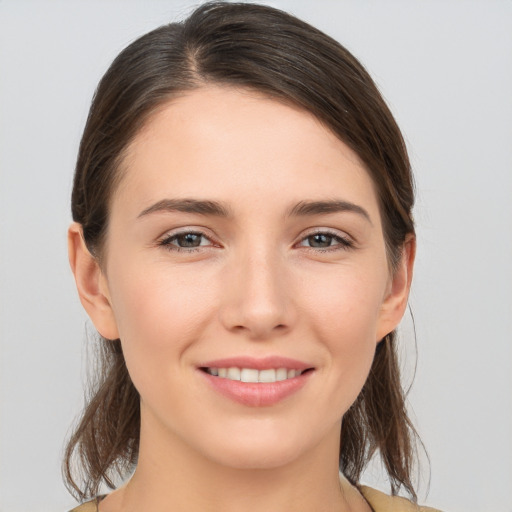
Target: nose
257, 298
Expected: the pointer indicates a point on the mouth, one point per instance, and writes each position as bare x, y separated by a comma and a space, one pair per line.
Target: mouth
253, 375
257, 382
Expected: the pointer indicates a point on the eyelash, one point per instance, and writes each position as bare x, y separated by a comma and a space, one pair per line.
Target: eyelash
343, 243
167, 242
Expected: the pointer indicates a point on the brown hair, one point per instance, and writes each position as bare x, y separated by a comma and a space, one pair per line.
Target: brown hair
261, 48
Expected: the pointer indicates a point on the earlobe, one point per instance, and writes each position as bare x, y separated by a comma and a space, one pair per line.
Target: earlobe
91, 284
395, 302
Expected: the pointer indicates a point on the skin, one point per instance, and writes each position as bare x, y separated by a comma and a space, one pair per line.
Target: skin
256, 286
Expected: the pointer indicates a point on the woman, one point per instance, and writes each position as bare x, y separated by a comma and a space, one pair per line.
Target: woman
243, 243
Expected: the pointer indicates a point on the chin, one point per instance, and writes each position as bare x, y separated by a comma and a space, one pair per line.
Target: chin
257, 451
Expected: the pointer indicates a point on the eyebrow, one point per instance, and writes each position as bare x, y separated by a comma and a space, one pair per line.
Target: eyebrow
205, 207
188, 206
306, 208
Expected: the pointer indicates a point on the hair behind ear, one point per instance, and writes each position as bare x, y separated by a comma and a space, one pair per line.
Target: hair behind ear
106, 440
378, 421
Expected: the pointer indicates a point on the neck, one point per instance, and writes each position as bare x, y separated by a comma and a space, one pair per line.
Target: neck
173, 476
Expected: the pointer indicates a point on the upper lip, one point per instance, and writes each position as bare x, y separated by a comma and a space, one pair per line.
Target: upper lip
257, 363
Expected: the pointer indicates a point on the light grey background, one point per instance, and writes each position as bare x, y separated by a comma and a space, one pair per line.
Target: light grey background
446, 69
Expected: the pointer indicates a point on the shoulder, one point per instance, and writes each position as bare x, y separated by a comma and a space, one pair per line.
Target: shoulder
88, 506
381, 502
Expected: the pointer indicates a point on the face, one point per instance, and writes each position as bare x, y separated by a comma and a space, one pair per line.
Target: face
245, 242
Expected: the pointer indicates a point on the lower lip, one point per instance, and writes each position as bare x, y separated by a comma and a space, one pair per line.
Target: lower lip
262, 394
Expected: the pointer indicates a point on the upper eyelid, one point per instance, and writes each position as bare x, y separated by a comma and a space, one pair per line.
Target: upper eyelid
332, 231
183, 231
205, 231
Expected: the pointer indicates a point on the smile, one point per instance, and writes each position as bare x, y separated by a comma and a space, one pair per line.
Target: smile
253, 375
256, 382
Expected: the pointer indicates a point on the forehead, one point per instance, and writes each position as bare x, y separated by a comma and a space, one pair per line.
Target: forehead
234, 144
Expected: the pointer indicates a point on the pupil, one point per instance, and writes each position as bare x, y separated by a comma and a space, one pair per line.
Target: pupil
189, 240
320, 240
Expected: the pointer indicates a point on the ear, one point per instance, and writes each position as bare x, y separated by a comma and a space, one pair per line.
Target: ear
91, 284
397, 293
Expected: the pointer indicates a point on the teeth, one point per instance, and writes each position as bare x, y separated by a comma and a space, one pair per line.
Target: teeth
267, 376
249, 375
233, 374
281, 374
253, 375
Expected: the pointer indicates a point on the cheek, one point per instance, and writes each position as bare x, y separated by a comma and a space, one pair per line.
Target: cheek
153, 301
160, 313
348, 303
346, 319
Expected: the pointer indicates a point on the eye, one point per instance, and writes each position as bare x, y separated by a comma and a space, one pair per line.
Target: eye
185, 241
323, 240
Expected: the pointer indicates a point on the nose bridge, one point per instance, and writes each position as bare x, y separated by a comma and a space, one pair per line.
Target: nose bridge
256, 291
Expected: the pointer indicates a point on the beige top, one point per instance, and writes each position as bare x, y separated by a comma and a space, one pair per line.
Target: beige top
378, 501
